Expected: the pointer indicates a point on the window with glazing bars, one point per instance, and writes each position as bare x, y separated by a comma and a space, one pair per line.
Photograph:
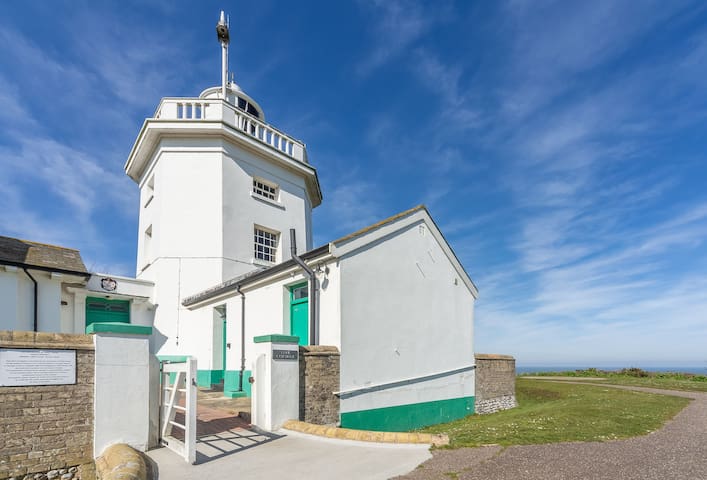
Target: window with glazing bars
264, 189
265, 245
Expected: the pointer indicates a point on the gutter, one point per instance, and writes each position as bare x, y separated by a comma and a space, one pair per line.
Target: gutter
313, 287
44, 269
36, 293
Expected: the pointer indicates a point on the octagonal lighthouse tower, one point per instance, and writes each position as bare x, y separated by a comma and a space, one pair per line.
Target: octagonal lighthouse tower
220, 190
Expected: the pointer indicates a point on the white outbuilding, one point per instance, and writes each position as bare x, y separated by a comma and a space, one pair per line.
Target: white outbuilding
392, 297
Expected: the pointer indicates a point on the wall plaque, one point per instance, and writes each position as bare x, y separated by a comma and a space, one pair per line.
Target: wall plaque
284, 354
22, 367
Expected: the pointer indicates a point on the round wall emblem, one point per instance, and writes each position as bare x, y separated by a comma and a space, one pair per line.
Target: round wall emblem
108, 284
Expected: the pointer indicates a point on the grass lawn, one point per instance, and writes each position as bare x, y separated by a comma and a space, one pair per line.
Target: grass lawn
551, 412
640, 378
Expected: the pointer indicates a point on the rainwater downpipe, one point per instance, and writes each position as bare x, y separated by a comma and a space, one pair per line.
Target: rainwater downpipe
313, 287
36, 323
240, 377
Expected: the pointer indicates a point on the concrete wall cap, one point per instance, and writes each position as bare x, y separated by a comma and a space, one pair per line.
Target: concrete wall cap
493, 356
319, 350
20, 339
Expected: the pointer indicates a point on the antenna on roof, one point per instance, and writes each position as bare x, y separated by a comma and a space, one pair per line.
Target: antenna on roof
224, 39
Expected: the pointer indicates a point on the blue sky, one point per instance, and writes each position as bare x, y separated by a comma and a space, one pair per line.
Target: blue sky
560, 146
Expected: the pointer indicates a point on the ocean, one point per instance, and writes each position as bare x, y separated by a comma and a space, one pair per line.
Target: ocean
696, 369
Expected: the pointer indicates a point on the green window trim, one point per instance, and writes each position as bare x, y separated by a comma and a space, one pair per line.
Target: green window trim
299, 312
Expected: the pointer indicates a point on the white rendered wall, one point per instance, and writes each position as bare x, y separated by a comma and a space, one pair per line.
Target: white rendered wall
10, 318
196, 197
67, 312
242, 210
403, 317
268, 312
17, 300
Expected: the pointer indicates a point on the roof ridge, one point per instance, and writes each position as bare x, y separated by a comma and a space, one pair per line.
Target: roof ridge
32, 242
381, 223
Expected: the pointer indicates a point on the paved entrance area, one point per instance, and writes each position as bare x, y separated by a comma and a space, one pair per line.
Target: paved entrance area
243, 453
678, 450
228, 446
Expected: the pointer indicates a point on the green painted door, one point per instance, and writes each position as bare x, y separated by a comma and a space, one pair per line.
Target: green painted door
299, 313
103, 310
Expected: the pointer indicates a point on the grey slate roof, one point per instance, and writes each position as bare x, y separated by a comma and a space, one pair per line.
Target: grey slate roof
23, 253
244, 279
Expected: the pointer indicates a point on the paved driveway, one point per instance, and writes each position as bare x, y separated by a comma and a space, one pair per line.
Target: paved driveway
677, 451
247, 454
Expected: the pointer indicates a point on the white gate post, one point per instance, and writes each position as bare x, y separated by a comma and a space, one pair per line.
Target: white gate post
276, 375
122, 392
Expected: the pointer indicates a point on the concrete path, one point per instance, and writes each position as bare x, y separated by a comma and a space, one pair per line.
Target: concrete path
243, 453
676, 451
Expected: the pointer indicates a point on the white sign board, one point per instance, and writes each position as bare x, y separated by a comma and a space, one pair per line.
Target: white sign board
21, 367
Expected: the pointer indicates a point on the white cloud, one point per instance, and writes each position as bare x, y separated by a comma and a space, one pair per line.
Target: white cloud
397, 25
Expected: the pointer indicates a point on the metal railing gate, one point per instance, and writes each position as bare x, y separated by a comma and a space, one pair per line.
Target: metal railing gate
178, 402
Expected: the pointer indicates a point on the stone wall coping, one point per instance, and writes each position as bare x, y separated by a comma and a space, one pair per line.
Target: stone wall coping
22, 339
321, 350
493, 356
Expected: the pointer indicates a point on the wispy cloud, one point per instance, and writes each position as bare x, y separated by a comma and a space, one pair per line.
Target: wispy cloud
397, 24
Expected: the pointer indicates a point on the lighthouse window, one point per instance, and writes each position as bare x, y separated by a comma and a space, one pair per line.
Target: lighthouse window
247, 107
264, 189
265, 244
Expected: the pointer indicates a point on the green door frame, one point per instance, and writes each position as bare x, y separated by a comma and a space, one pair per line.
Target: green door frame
299, 314
223, 349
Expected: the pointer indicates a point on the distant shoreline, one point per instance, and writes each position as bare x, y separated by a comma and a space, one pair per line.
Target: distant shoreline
696, 370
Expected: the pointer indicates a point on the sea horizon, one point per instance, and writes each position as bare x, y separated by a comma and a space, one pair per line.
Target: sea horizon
694, 369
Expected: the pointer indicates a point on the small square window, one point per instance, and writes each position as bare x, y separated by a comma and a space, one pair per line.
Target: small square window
265, 245
265, 189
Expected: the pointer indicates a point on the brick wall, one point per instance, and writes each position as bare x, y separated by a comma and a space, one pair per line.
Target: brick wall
319, 378
49, 427
495, 383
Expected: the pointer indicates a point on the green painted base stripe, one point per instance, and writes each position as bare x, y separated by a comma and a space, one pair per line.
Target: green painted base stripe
230, 382
403, 418
206, 378
228, 394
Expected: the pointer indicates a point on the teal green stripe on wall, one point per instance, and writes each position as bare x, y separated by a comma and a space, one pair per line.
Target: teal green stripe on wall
403, 418
206, 378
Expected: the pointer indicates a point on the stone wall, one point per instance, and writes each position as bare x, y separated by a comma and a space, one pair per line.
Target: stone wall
47, 428
495, 383
319, 378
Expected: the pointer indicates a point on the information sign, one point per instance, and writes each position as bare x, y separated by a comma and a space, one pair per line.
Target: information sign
21, 367
284, 354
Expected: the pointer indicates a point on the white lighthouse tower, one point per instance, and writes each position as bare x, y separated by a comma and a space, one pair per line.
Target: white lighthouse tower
220, 190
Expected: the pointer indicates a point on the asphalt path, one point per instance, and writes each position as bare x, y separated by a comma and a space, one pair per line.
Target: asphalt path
676, 451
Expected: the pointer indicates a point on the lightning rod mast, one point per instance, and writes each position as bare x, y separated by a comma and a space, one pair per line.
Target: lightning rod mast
224, 39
